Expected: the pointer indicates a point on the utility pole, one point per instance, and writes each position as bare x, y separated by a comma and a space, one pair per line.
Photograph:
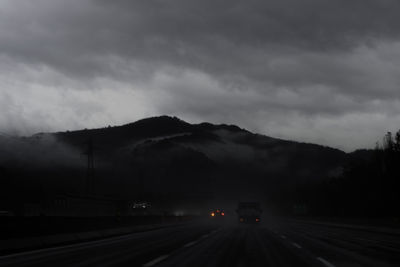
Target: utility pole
90, 168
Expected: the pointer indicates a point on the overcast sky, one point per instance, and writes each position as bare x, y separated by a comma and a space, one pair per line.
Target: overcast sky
321, 71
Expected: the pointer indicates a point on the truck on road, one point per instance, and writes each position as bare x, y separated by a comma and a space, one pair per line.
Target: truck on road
249, 212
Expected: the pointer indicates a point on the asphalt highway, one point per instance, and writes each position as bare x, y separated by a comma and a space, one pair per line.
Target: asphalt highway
227, 243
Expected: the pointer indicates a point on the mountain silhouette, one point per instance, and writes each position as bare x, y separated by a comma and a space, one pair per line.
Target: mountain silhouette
168, 159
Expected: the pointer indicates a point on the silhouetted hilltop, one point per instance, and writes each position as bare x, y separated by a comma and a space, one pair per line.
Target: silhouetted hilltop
172, 128
118, 135
236, 151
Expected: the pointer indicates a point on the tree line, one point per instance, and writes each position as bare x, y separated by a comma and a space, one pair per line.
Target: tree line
369, 185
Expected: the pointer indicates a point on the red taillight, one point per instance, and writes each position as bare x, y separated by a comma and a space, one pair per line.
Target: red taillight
222, 213
257, 220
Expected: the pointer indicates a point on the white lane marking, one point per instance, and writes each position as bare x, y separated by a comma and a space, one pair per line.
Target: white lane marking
155, 261
284, 237
296, 245
190, 244
205, 236
327, 263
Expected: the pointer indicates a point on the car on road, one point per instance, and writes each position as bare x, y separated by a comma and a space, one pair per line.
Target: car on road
217, 213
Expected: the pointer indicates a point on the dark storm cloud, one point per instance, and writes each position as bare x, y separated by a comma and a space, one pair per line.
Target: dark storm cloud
217, 36
314, 24
317, 61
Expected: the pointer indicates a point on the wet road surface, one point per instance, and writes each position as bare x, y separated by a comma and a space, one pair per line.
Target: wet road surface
228, 243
